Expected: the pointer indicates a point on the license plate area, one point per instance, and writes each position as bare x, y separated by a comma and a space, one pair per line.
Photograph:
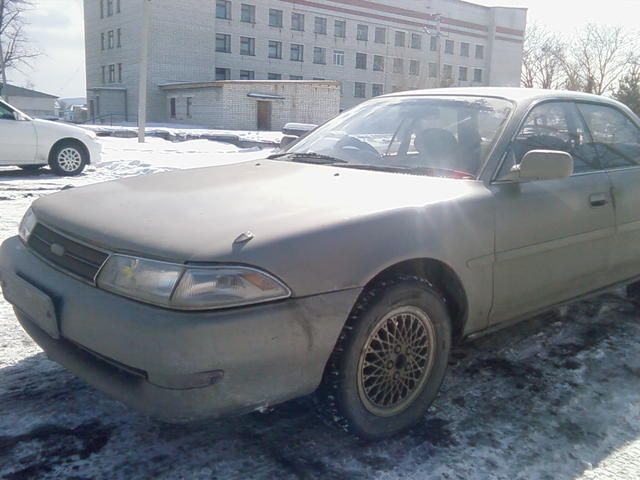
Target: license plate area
34, 303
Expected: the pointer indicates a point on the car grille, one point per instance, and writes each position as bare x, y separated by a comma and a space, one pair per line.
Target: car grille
66, 254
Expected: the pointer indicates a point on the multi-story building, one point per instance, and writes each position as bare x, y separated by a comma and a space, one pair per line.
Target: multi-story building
371, 46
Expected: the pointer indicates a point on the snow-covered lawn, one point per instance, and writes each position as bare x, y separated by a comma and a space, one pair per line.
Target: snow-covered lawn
556, 397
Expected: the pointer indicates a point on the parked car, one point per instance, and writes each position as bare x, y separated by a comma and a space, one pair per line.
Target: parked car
31, 143
346, 265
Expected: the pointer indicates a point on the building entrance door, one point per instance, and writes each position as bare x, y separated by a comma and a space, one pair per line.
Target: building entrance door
264, 115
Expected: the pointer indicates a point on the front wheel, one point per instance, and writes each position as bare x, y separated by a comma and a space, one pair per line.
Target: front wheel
68, 159
390, 360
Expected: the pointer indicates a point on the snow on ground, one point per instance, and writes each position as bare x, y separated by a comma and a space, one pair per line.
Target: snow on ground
556, 397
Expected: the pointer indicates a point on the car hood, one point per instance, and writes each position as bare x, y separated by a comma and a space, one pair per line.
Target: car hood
60, 128
196, 215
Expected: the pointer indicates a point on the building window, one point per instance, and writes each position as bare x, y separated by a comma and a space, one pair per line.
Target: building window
448, 72
223, 74
295, 77
449, 47
414, 67
112, 73
223, 9
416, 41
275, 49
320, 26
377, 89
381, 35
340, 29
433, 70
378, 63
297, 22
189, 106
401, 39
223, 43
433, 44
172, 108
247, 75
464, 49
101, 8
479, 52
118, 6
275, 18
297, 53
247, 46
110, 39
463, 74
361, 61
119, 36
338, 57
104, 74
398, 65
109, 8
119, 73
102, 42
248, 13
274, 76
319, 55
362, 33
360, 90
477, 75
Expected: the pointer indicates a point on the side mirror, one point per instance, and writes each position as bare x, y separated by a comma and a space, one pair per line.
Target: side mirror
541, 165
293, 131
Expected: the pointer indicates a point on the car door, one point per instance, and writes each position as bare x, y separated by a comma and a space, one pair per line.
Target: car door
18, 141
617, 139
552, 236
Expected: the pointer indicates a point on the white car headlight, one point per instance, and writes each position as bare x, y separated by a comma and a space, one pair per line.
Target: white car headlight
188, 288
27, 225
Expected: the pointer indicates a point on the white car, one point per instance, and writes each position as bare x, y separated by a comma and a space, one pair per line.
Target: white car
32, 143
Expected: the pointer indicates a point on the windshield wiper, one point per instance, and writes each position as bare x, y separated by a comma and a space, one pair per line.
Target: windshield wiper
426, 171
308, 157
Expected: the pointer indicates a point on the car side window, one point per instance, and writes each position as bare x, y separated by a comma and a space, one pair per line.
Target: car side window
553, 126
615, 137
6, 113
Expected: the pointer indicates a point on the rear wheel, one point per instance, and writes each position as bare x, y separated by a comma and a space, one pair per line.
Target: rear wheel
390, 360
68, 159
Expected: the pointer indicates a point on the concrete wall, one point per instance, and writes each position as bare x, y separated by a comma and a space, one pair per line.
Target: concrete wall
227, 105
40, 107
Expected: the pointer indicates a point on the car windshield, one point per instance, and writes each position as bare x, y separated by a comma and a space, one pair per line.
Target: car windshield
438, 136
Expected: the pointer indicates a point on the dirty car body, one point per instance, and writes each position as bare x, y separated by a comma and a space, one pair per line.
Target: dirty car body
258, 266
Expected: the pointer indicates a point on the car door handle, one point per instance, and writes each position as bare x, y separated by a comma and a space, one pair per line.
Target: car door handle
598, 199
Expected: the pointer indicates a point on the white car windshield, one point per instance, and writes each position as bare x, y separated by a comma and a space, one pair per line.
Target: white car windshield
438, 136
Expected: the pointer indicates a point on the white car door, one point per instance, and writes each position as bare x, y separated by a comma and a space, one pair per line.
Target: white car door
18, 141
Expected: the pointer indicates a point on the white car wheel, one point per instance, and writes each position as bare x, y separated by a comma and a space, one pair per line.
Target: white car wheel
68, 159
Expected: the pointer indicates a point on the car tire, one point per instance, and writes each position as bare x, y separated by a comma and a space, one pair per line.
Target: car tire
68, 159
377, 385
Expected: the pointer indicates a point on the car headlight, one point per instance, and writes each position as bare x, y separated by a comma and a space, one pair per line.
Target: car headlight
27, 225
188, 288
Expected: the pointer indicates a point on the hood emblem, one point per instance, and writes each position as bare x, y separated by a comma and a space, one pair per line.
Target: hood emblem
57, 249
244, 238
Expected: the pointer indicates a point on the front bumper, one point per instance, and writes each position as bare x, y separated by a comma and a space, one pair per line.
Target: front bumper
155, 359
95, 151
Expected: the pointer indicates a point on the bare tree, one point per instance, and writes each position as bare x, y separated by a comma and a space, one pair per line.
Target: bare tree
15, 49
597, 58
543, 59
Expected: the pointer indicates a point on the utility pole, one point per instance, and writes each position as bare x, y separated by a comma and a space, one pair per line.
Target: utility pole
3, 72
438, 35
144, 64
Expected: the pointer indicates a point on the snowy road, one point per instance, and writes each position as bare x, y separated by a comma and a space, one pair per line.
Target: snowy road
553, 398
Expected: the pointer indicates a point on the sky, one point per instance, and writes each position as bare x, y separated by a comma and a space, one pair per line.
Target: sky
56, 28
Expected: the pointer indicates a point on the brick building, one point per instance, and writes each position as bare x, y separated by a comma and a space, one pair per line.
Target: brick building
370, 46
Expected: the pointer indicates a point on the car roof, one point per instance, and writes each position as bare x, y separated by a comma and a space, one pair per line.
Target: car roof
519, 95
